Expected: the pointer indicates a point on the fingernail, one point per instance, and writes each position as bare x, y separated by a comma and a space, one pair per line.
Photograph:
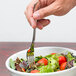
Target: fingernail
41, 27
36, 15
48, 21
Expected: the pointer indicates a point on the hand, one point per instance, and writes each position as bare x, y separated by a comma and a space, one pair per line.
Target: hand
29, 14
47, 7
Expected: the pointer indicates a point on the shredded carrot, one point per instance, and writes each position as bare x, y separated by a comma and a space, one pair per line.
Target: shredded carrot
23, 70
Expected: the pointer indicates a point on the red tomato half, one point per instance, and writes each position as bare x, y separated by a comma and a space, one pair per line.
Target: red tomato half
53, 53
63, 66
43, 61
62, 59
34, 71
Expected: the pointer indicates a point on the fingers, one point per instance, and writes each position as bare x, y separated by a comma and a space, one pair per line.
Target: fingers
32, 22
46, 11
44, 3
42, 23
29, 14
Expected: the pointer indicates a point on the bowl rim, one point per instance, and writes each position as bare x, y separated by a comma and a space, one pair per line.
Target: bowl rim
24, 73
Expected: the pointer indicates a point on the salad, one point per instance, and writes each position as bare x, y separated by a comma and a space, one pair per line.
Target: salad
53, 62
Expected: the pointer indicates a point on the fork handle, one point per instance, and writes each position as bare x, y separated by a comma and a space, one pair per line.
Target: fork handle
36, 7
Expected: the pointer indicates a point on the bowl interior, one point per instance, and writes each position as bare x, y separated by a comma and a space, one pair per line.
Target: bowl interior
38, 51
41, 51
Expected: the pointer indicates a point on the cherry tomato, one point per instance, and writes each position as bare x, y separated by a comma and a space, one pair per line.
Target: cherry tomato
34, 71
53, 53
62, 59
43, 61
29, 50
63, 66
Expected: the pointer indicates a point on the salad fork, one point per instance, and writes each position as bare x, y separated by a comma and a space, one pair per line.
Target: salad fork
30, 52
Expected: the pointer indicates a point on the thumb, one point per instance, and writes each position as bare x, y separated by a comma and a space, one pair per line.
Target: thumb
46, 11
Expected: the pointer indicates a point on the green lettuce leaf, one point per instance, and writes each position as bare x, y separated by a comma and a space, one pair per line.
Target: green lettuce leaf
53, 64
45, 69
69, 57
12, 64
38, 58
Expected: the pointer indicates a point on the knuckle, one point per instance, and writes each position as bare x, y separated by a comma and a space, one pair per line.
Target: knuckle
43, 12
59, 7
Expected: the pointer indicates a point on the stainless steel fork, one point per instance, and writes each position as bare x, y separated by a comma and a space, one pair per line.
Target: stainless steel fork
30, 52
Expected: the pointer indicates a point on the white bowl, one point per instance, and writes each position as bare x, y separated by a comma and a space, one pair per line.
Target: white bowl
42, 51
